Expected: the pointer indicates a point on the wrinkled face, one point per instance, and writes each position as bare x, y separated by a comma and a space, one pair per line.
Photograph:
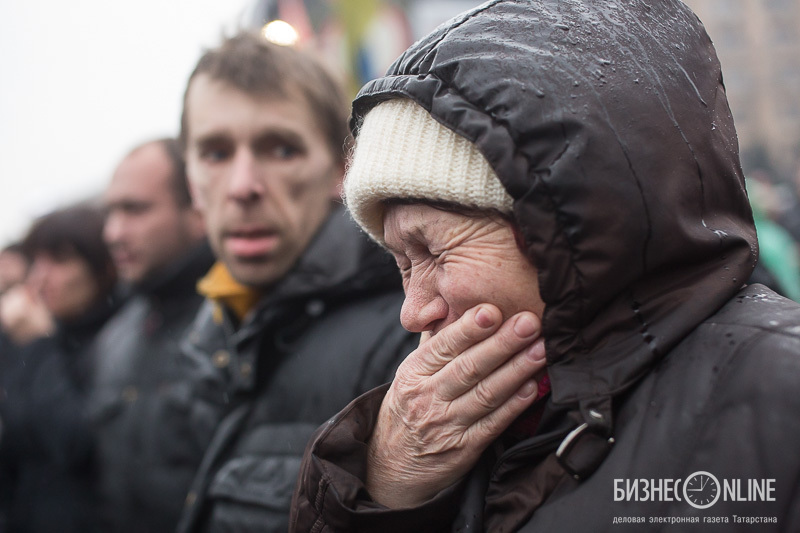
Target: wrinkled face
262, 174
65, 283
452, 262
146, 229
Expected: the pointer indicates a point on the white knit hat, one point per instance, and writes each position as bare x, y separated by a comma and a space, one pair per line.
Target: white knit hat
403, 152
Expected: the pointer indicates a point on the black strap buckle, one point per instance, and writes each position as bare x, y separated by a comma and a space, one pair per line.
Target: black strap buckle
582, 451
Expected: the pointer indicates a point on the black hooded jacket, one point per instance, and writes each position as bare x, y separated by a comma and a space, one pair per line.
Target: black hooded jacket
607, 123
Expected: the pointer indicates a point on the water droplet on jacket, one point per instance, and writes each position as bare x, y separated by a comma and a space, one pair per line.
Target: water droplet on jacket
315, 307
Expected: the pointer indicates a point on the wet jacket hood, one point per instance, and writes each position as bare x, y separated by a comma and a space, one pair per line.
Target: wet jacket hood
608, 124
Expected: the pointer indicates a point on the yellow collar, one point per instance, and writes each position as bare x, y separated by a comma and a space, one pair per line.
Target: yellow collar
220, 287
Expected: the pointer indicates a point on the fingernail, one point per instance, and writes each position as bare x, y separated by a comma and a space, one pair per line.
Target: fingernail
537, 352
528, 389
524, 327
483, 318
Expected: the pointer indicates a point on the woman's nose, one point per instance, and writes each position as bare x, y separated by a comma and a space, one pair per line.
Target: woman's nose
422, 309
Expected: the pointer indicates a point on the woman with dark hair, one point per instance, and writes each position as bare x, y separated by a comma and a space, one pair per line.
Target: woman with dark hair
49, 323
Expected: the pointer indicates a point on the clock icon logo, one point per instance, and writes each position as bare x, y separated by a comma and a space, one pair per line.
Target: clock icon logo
701, 490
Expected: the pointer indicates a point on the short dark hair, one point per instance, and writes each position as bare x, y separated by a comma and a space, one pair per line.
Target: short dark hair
14, 248
74, 230
177, 179
258, 67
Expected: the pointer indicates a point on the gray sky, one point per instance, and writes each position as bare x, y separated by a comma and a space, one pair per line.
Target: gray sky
83, 82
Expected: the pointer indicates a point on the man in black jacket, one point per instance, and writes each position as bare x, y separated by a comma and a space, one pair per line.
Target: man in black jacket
302, 308
140, 392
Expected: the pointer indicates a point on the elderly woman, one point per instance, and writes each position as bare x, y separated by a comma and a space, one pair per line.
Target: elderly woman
565, 171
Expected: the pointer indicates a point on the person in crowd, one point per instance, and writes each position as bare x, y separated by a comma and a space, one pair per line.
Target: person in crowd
778, 254
788, 203
47, 446
13, 266
139, 398
560, 186
302, 307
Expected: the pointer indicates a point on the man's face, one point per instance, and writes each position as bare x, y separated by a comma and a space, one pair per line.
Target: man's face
146, 229
263, 175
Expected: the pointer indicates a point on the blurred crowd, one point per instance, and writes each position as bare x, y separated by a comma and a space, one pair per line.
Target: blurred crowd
81, 274
129, 401
775, 201
148, 383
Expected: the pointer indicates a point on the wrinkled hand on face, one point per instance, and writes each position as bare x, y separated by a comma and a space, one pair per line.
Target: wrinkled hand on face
450, 399
23, 316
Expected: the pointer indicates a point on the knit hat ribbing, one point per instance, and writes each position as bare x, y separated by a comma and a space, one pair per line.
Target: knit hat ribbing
402, 152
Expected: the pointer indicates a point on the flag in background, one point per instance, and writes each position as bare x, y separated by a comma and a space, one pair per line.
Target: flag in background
359, 38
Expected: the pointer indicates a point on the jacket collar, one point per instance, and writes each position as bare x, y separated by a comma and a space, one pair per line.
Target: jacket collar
179, 278
340, 259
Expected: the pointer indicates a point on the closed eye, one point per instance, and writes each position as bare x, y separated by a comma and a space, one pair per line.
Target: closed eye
404, 267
